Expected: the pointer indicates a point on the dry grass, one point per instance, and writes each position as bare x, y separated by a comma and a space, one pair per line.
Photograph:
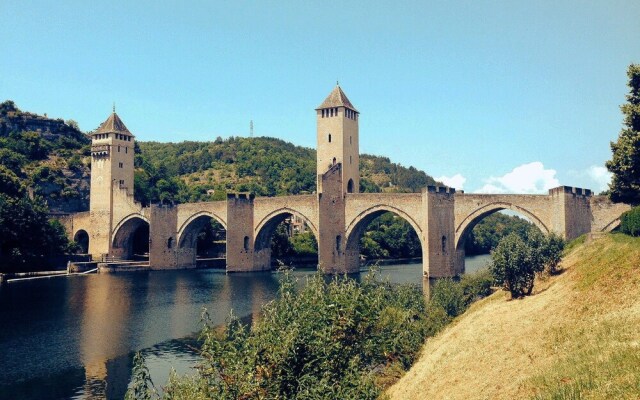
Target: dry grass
577, 337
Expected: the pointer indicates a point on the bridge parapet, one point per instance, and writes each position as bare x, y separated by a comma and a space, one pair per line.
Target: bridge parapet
576, 191
440, 189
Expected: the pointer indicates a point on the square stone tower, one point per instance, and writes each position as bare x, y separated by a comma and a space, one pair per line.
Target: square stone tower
337, 122
112, 155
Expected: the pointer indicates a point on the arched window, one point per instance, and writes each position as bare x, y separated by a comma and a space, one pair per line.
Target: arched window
350, 186
246, 243
334, 161
169, 243
338, 243
444, 245
329, 138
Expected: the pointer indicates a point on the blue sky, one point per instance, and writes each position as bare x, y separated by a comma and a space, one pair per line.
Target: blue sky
499, 96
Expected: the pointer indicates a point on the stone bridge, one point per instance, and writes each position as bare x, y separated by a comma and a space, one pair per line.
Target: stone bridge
441, 218
118, 227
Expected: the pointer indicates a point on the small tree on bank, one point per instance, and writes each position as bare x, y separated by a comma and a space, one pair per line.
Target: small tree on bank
625, 163
516, 260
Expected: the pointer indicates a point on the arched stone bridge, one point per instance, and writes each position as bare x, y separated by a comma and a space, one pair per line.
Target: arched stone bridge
441, 218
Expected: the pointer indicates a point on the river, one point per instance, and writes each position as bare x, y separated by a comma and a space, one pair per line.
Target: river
74, 337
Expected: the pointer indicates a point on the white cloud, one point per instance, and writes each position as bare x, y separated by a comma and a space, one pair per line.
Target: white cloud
457, 181
601, 176
531, 178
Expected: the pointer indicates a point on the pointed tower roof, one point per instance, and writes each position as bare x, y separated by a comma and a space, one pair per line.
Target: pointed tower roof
113, 124
336, 98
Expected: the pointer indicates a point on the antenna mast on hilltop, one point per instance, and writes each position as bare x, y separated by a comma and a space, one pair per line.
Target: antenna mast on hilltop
251, 128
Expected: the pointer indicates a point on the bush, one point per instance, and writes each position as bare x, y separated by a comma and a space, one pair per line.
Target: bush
449, 295
515, 263
630, 222
476, 285
327, 340
516, 260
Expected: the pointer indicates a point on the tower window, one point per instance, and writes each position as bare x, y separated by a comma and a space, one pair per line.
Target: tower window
338, 242
329, 138
334, 161
120, 165
126, 150
246, 243
349, 139
169, 242
118, 148
349, 159
332, 112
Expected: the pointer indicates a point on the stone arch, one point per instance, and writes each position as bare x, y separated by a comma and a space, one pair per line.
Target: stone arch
125, 238
374, 212
81, 237
197, 220
479, 214
187, 238
266, 228
284, 213
356, 228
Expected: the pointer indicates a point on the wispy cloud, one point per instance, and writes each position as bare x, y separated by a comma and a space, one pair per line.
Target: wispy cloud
600, 175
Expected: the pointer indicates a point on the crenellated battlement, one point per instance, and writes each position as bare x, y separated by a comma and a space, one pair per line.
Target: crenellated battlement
241, 196
441, 189
576, 191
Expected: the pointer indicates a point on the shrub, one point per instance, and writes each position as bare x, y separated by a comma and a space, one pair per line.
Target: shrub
476, 285
449, 295
515, 263
630, 222
552, 252
327, 340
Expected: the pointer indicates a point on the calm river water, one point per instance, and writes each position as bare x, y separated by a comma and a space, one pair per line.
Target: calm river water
74, 337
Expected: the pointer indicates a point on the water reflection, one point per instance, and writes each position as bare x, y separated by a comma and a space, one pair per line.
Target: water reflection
73, 337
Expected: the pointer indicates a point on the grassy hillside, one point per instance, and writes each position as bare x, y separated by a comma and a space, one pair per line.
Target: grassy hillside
577, 337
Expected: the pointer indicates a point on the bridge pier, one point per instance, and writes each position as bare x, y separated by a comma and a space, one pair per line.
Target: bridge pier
241, 256
438, 243
572, 214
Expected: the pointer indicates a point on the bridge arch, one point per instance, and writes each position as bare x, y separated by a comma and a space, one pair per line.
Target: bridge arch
81, 237
129, 236
357, 227
283, 213
266, 228
471, 220
374, 212
194, 224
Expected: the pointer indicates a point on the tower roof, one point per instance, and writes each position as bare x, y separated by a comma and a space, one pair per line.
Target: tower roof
113, 124
336, 98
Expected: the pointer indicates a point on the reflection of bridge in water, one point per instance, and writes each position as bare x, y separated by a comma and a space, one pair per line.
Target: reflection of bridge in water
337, 215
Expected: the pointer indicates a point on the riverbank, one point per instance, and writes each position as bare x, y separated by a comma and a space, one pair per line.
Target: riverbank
576, 337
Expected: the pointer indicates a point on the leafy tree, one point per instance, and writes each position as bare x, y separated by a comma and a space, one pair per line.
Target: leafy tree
514, 265
625, 163
27, 237
486, 235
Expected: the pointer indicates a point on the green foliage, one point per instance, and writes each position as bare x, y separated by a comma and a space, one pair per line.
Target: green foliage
552, 251
513, 266
630, 222
625, 163
27, 236
390, 236
141, 385
516, 260
449, 295
486, 235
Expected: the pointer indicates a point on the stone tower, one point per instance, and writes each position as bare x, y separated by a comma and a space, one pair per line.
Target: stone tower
112, 168
337, 121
